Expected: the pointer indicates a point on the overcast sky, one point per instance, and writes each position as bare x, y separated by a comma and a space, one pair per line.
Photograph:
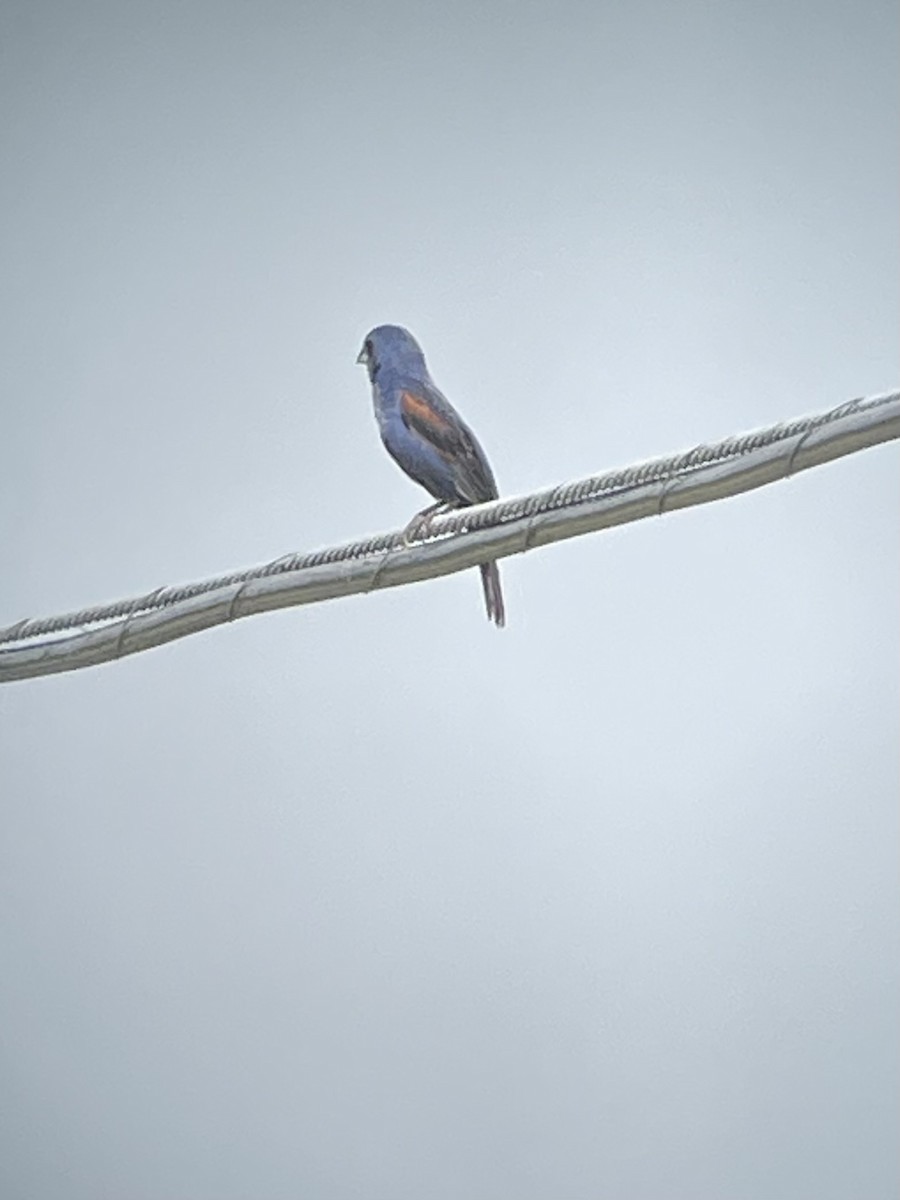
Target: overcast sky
370, 899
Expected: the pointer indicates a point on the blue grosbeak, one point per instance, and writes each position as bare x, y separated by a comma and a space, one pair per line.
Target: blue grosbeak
427, 437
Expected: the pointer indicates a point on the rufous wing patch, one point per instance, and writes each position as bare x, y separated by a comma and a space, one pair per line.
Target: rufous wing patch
418, 411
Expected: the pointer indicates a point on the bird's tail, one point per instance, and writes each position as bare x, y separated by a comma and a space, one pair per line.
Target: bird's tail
493, 596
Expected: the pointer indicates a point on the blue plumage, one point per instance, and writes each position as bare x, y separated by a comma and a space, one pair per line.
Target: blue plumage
426, 436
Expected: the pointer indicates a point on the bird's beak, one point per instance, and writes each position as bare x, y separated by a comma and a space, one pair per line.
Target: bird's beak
362, 358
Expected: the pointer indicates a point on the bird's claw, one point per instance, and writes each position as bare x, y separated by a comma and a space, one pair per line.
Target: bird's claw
418, 528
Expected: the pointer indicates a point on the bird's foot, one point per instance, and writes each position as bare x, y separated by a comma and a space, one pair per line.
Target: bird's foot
418, 528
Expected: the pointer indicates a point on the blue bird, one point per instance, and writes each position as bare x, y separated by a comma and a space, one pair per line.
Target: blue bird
427, 437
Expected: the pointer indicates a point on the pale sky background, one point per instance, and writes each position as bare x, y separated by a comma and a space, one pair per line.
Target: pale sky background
369, 899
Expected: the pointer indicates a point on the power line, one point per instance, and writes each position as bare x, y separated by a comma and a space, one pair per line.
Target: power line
456, 540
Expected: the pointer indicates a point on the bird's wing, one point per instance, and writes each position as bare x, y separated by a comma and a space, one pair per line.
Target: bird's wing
428, 414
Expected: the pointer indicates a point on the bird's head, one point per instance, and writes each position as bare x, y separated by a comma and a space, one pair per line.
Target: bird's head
393, 347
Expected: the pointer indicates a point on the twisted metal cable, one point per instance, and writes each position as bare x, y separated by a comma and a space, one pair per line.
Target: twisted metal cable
454, 540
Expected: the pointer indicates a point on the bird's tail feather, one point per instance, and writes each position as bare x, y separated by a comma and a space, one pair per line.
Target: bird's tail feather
493, 596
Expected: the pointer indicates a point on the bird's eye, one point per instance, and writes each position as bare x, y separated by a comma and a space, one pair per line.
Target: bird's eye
368, 347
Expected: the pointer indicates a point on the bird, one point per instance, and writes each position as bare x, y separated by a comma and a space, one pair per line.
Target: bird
427, 438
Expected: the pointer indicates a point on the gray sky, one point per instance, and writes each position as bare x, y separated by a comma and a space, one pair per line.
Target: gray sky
368, 899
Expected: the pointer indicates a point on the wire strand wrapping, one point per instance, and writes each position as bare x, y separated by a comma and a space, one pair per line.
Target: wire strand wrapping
455, 541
